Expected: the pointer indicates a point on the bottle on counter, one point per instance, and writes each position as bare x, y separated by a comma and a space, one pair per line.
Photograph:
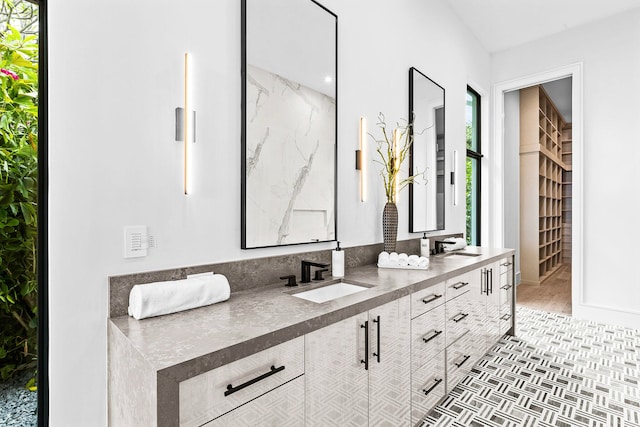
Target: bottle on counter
424, 246
337, 262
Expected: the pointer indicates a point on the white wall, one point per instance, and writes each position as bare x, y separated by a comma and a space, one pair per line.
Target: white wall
115, 79
609, 52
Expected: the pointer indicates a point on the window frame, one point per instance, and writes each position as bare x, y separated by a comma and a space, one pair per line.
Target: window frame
476, 155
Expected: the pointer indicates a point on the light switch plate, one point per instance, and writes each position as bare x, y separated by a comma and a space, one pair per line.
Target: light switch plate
135, 241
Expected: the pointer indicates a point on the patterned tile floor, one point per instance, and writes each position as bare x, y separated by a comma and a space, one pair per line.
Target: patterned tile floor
558, 372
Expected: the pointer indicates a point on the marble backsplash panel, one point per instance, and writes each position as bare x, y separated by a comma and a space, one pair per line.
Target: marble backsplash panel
253, 273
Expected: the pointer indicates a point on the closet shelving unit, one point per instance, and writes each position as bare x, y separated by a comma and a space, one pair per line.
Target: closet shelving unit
542, 185
567, 192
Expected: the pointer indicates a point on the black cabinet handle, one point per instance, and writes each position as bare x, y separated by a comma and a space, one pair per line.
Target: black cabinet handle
436, 383
490, 275
506, 264
366, 345
458, 317
464, 360
432, 299
435, 334
231, 389
460, 285
377, 353
506, 287
506, 317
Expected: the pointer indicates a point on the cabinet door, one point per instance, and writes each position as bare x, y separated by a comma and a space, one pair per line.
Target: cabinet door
491, 287
282, 407
390, 364
336, 382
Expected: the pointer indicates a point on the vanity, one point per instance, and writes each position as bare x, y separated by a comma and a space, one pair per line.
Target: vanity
388, 353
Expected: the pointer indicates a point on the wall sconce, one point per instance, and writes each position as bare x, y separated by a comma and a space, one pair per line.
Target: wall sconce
186, 124
361, 163
454, 169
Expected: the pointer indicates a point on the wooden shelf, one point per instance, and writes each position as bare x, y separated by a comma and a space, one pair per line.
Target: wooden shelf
545, 152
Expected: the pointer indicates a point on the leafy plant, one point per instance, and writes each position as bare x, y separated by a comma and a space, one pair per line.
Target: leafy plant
18, 196
393, 150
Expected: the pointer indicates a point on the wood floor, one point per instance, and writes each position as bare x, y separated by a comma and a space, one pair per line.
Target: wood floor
553, 295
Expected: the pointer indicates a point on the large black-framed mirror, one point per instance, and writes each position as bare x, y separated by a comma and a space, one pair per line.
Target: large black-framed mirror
427, 153
289, 122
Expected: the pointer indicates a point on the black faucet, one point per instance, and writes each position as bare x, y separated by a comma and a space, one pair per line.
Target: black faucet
305, 275
439, 246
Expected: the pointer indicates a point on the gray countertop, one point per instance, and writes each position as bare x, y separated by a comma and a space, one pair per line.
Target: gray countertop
186, 344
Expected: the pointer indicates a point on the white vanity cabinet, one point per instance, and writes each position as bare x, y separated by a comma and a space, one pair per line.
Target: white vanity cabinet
256, 384
358, 370
428, 338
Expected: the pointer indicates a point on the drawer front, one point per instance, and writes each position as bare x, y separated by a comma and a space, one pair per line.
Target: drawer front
461, 356
505, 322
202, 398
427, 387
282, 407
426, 299
506, 288
427, 337
459, 316
460, 284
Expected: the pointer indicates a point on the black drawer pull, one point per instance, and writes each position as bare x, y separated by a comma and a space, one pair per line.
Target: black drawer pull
506, 317
366, 345
506, 287
464, 360
458, 317
231, 389
377, 322
506, 264
436, 383
435, 334
432, 299
460, 285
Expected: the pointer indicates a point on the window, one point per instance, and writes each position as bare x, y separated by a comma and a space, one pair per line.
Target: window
474, 156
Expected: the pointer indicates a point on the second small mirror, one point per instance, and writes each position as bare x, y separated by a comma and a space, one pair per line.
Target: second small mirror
426, 195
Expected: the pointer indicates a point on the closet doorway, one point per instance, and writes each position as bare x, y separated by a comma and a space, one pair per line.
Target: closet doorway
538, 152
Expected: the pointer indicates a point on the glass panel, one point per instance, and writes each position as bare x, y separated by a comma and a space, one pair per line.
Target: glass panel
472, 121
472, 201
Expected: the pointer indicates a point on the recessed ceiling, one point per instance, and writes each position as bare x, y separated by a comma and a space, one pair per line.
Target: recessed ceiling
502, 24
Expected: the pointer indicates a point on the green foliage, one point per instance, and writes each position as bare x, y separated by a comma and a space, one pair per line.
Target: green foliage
18, 196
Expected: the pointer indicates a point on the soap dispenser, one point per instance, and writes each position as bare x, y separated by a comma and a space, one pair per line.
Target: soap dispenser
337, 262
424, 246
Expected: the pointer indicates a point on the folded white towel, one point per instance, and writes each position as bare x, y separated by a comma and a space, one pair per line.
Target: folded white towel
414, 260
403, 256
424, 262
454, 243
393, 257
403, 262
384, 263
158, 298
383, 257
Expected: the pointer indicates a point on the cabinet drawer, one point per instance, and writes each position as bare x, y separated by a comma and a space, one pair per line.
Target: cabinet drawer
207, 396
426, 299
459, 316
459, 285
506, 289
282, 407
427, 387
461, 356
427, 337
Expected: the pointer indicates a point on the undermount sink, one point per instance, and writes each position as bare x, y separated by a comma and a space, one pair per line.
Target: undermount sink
460, 255
330, 292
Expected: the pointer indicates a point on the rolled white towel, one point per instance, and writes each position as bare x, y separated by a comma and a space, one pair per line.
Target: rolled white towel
414, 260
403, 256
383, 256
454, 243
384, 263
403, 260
158, 298
393, 258
424, 262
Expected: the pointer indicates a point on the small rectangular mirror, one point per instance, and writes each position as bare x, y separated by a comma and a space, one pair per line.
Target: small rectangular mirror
426, 194
289, 115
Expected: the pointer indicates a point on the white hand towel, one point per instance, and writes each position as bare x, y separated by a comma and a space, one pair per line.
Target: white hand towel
158, 298
403, 260
414, 260
424, 262
454, 243
383, 256
393, 258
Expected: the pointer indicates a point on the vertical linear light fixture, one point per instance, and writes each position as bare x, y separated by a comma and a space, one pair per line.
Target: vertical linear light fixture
454, 169
186, 125
361, 163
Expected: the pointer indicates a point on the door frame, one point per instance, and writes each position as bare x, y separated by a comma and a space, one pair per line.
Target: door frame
575, 71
